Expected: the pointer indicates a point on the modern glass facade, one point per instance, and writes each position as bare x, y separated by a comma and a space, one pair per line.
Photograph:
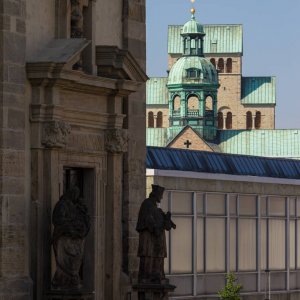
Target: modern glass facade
222, 232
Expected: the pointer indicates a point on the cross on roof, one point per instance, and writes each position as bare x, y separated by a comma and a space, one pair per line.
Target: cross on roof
188, 144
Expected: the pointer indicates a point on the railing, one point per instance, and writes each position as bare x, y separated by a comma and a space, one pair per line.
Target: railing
193, 113
176, 113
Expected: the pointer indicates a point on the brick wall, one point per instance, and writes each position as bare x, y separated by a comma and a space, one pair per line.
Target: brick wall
14, 282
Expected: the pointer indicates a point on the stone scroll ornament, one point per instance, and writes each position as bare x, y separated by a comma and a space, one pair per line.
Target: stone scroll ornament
71, 226
55, 134
116, 140
151, 226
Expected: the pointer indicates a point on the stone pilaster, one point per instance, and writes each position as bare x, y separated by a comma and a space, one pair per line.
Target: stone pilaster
14, 249
134, 40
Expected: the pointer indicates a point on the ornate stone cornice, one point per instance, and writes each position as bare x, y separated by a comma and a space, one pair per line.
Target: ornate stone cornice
55, 134
116, 141
116, 63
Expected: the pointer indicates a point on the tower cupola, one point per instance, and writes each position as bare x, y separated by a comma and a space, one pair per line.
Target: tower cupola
192, 37
193, 84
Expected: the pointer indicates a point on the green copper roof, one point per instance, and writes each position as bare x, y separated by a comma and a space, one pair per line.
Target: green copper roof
157, 137
157, 92
270, 143
178, 73
218, 39
258, 90
192, 26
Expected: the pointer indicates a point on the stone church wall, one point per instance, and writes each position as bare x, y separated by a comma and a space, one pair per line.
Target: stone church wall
78, 121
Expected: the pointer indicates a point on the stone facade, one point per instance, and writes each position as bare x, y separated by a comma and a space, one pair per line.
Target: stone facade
59, 117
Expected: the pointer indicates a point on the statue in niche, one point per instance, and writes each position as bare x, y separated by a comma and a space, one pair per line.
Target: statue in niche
152, 224
71, 225
76, 19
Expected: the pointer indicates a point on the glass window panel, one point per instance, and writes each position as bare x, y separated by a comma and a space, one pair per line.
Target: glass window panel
298, 245
276, 206
276, 244
292, 206
248, 281
166, 261
215, 245
184, 285
263, 244
232, 245
232, 204
210, 284
181, 245
292, 245
200, 202
200, 245
247, 244
263, 206
247, 205
298, 206
182, 203
215, 204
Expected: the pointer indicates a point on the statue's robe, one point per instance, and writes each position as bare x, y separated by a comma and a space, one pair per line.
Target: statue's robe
151, 225
71, 225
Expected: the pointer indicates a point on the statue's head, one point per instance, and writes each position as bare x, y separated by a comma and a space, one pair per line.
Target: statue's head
73, 194
157, 192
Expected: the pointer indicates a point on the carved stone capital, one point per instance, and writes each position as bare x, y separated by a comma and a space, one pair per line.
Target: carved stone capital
116, 140
55, 134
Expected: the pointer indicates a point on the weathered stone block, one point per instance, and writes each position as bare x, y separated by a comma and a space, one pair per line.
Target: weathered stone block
12, 8
13, 261
13, 43
20, 286
16, 74
12, 236
12, 140
13, 88
12, 100
16, 119
20, 26
136, 11
12, 163
10, 185
4, 22
13, 210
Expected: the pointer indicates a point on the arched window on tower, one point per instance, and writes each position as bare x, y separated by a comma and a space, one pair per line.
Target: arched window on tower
159, 119
209, 103
229, 65
257, 120
229, 120
213, 61
249, 120
193, 105
176, 104
220, 120
221, 65
150, 119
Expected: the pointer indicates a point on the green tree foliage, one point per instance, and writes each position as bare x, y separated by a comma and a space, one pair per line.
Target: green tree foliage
231, 291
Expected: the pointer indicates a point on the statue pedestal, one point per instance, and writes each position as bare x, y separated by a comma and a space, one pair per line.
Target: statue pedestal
152, 291
70, 295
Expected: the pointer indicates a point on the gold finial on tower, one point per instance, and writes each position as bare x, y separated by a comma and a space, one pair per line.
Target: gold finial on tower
193, 10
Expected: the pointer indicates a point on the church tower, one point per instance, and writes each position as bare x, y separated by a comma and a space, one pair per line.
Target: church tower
193, 85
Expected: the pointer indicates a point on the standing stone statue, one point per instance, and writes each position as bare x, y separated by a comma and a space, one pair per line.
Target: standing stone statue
71, 225
152, 223
76, 19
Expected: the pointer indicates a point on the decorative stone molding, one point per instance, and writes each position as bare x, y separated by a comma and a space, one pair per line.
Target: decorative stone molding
116, 63
116, 140
55, 134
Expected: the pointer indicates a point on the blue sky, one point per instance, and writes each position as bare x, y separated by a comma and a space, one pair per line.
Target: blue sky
271, 41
